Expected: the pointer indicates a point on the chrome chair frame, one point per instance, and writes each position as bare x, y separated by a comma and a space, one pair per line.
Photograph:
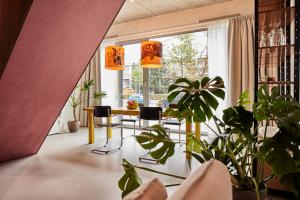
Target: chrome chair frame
105, 112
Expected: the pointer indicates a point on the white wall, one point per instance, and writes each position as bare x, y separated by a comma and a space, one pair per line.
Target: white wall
178, 21
60, 125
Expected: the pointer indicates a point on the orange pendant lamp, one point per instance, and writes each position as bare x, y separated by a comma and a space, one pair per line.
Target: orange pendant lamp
114, 58
151, 54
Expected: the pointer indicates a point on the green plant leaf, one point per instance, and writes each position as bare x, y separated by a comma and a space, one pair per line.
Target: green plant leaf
198, 97
282, 154
184, 80
244, 99
173, 95
293, 182
130, 180
87, 85
240, 121
158, 142
204, 81
210, 100
174, 87
100, 95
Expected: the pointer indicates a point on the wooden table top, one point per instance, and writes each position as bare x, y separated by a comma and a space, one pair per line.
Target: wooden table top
120, 111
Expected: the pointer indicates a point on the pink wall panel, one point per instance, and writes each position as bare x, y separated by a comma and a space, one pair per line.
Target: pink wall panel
56, 42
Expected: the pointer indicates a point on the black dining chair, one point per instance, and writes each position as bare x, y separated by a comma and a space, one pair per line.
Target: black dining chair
150, 114
131, 120
105, 112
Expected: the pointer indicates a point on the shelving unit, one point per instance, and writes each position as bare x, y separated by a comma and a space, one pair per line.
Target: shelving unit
277, 45
277, 42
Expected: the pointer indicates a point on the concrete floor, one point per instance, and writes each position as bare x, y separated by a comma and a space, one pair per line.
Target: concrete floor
65, 168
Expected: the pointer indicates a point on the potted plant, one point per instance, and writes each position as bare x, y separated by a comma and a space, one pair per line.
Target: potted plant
79, 96
236, 143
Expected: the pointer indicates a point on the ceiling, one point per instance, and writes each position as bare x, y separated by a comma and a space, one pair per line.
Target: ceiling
139, 9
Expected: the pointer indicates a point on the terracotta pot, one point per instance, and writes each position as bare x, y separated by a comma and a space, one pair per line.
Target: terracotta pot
248, 195
73, 126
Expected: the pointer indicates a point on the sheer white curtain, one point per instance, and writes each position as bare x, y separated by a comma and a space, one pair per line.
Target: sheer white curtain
218, 56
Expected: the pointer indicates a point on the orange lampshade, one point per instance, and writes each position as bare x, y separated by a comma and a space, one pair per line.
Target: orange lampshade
114, 58
151, 54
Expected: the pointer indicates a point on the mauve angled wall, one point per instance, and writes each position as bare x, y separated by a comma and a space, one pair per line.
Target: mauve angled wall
12, 16
55, 44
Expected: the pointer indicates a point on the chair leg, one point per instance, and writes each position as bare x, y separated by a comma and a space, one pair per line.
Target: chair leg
143, 158
140, 127
121, 137
106, 149
134, 129
179, 135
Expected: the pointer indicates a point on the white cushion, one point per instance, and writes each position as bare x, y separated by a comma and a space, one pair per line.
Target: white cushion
152, 190
211, 181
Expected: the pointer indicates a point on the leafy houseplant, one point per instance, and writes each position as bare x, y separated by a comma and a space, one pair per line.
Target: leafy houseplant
79, 96
236, 143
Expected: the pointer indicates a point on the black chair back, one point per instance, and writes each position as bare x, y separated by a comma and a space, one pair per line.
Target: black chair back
151, 113
102, 111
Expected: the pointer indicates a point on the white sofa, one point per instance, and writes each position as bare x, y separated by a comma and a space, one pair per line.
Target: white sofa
211, 181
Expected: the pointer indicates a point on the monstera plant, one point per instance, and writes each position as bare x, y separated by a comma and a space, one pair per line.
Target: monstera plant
236, 143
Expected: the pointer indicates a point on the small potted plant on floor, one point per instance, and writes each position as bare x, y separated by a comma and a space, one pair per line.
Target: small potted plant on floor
236, 143
79, 96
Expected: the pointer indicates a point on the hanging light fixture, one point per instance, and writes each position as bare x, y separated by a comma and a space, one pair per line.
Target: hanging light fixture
151, 51
114, 58
151, 54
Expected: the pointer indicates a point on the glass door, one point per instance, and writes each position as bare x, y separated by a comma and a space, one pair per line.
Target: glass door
132, 76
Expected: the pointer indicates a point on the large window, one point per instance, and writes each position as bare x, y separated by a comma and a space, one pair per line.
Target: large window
184, 55
132, 76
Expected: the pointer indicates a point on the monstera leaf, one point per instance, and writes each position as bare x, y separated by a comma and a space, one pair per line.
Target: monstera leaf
158, 142
293, 181
282, 154
130, 180
197, 99
282, 150
239, 121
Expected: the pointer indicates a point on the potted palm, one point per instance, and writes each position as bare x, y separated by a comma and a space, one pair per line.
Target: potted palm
236, 143
79, 96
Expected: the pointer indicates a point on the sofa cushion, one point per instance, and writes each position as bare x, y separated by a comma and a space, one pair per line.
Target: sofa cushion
152, 190
211, 181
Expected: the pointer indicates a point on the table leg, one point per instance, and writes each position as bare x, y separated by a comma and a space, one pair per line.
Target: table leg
91, 127
109, 129
188, 130
197, 130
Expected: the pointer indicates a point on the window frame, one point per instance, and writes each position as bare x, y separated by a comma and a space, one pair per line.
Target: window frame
145, 70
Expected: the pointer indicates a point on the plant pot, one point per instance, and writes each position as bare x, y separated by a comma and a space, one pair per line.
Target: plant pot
248, 195
73, 126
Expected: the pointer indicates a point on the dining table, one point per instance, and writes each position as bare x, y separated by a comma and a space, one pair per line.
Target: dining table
132, 112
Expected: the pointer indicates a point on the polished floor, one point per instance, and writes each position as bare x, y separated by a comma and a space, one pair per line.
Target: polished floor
65, 168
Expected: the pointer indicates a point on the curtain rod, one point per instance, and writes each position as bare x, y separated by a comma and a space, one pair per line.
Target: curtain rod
218, 18
199, 22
